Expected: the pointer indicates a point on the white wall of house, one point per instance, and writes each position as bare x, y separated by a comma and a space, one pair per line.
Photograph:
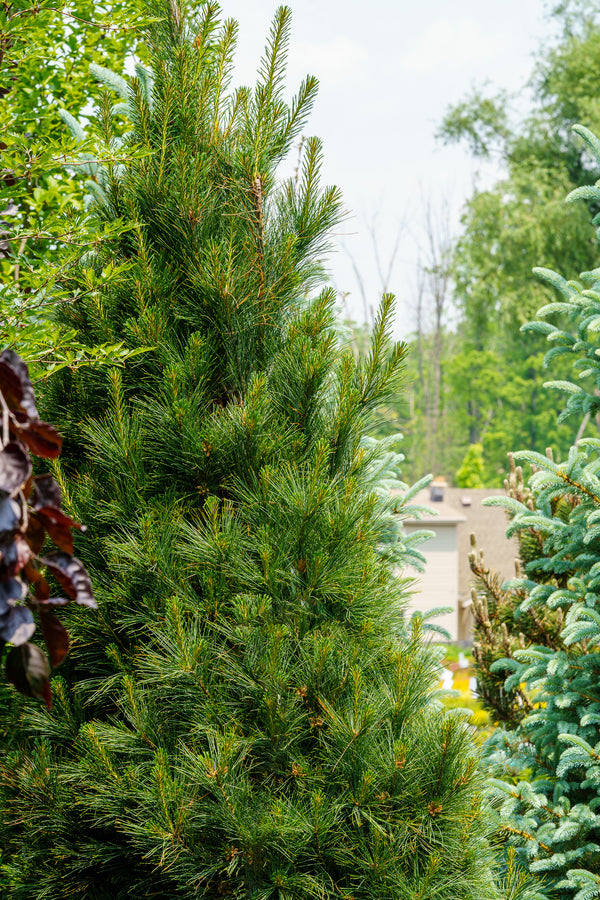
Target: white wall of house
438, 585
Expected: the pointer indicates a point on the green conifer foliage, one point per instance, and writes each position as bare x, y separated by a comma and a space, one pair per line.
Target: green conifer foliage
549, 784
245, 715
500, 624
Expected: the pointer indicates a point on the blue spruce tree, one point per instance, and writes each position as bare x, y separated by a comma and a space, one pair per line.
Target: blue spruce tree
548, 766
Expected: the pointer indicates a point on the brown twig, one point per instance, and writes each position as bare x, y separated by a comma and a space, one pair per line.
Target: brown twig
20, 252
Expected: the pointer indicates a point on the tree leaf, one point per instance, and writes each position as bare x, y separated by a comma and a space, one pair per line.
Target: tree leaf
41, 590
51, 514
58, 525
35, 577
14, 556
52, 602
17, 625
15, 467
10, 517
46, 492
15, 384
11, 591
28, 669
46, 695
61, 535
35, 534
56, 637
72, 576
41, 438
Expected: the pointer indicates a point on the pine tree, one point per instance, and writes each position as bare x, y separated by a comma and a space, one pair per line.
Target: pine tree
549, 785
245, 715
500, 624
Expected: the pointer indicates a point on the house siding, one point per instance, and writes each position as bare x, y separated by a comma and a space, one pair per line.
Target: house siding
438, 585
447, 579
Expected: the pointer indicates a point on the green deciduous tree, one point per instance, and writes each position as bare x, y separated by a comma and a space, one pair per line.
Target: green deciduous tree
245, 715
492, 373
470, 474
45, 54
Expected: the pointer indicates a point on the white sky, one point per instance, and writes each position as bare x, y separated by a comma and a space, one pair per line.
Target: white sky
388, 71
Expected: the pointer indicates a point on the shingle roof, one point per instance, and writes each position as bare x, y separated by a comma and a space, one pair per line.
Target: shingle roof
442, 511
488, 523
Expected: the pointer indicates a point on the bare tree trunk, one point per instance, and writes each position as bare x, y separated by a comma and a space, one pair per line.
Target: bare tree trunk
436, 278
384, 272
424, 363
385, 275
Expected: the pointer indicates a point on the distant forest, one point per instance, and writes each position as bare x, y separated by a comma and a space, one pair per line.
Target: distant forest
476, 386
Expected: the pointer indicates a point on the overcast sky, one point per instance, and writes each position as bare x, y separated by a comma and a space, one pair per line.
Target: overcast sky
388, 70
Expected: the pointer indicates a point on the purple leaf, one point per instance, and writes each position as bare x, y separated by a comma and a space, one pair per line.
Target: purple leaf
50, 602
14, 556
11, 592
35, 533
17, 625
41, 438
72, 576
61, 535
58, 525
15, 384
10, 517
15, 467
46, 492
56, 637
28, 669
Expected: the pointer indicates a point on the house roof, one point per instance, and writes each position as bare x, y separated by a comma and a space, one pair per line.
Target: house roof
442, 513
487, 523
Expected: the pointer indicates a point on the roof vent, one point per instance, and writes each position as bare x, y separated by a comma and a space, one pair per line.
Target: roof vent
437, 488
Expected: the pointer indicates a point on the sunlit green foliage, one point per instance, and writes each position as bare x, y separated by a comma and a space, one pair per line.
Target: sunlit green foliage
46, 52
492, 373
470, 474
246, 715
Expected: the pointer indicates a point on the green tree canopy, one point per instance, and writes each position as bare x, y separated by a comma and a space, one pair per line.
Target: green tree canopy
46, 52
470, 474
492, 372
